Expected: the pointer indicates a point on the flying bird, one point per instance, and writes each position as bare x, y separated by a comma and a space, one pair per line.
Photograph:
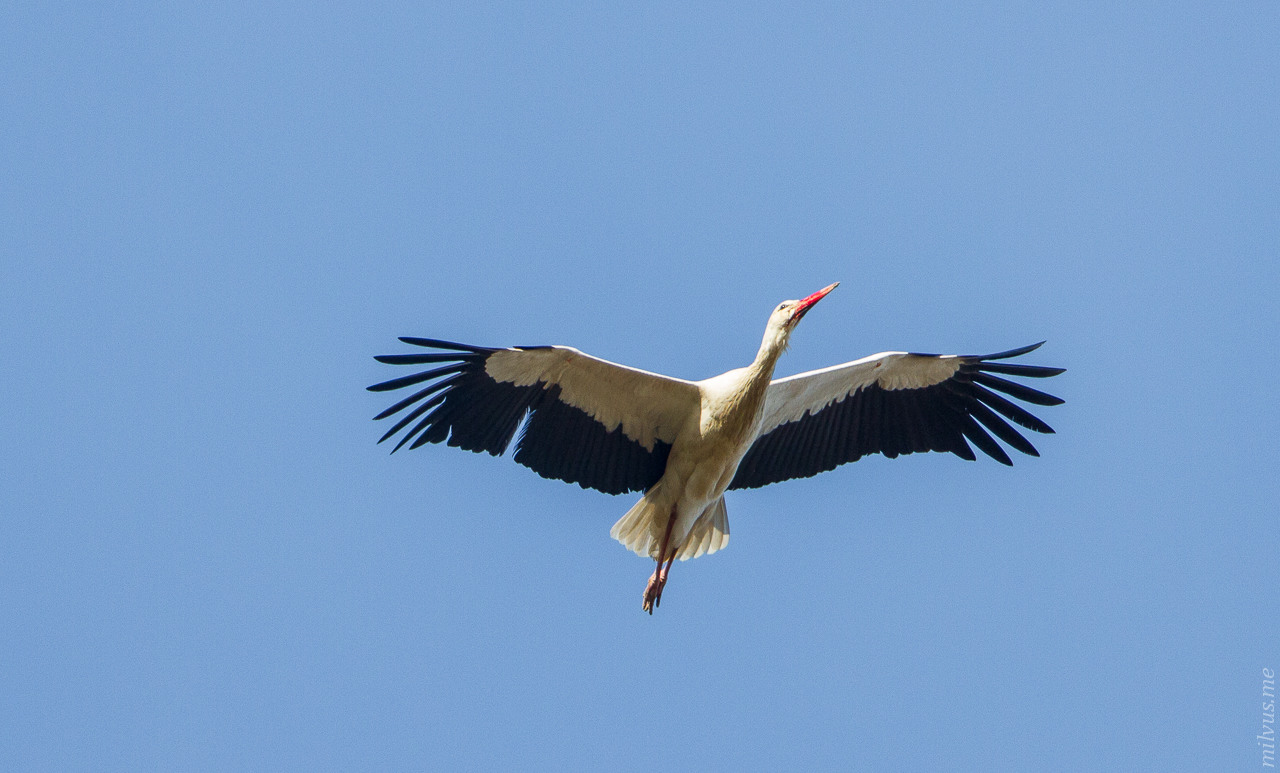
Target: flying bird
618, 429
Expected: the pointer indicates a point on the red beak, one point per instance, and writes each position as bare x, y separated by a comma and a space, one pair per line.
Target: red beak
807, 303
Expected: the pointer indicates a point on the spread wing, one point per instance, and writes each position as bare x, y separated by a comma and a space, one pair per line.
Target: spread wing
591, 422
893, 403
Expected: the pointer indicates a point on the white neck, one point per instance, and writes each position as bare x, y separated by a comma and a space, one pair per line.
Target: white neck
771, 348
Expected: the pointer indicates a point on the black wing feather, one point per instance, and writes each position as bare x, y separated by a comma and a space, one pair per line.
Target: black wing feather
1024, 393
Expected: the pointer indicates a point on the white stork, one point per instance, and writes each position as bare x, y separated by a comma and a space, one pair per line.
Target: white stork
685, 443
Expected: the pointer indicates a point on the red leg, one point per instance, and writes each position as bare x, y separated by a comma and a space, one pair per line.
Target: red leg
662, 578
653, 591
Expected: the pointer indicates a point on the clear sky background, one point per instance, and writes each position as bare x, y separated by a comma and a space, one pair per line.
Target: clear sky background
211, 217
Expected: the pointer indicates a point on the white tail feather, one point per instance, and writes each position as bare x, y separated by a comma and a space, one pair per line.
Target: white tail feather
641, 529
709, 533
638, 530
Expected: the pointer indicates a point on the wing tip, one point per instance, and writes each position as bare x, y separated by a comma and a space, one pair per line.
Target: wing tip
1018, 352
437, 343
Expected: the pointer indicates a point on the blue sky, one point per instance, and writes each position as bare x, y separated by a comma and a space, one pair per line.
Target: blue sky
214, 216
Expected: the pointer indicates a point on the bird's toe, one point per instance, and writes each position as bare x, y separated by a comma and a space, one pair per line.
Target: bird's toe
653, 593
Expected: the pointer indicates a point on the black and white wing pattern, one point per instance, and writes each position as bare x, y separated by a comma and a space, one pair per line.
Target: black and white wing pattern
591, 422
893, 403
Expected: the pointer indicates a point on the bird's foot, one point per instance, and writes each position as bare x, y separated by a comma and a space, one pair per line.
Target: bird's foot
653, 591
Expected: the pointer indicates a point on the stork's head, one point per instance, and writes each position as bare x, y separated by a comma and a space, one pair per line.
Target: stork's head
784, 318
